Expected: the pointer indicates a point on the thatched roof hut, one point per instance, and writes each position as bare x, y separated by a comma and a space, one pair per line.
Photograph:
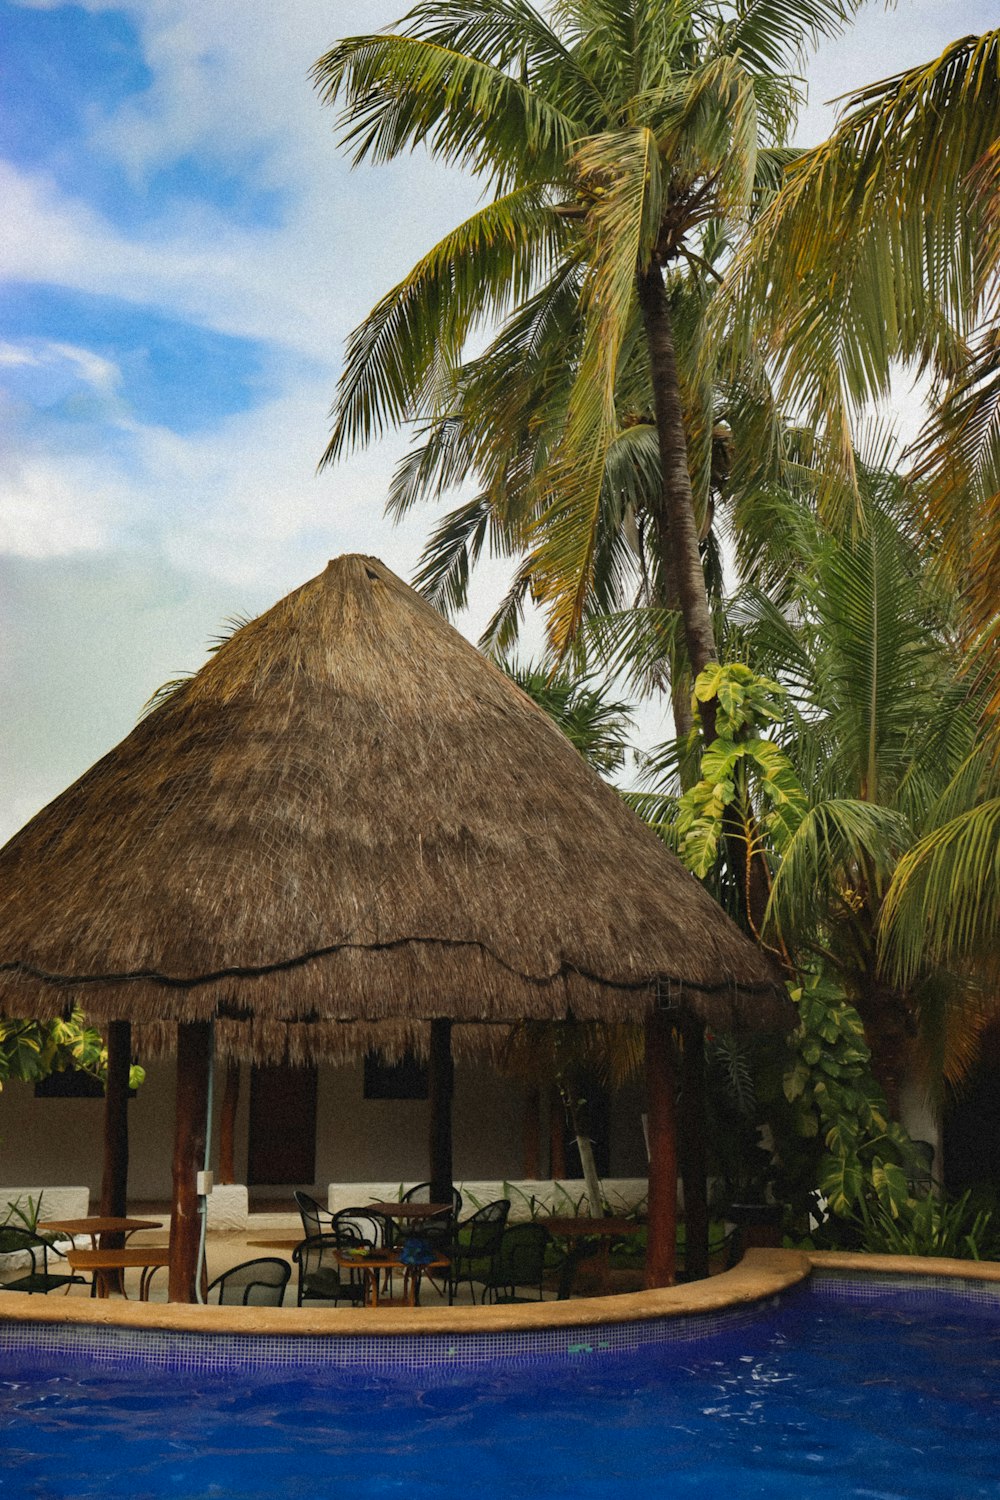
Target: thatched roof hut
349, 815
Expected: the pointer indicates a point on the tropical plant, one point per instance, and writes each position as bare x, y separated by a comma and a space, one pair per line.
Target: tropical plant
31, 1050
882, 251
884, 246
863, 1156
831, 776
614, 137
930, 1225
595, 724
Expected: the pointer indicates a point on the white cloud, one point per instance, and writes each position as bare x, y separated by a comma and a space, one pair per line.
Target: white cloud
92, 369
51, 508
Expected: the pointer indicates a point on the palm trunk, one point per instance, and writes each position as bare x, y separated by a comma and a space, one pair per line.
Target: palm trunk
585, 1146
673, 511
677, 531
227, 1124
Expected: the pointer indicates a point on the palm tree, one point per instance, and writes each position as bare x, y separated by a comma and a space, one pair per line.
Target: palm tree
882, 249
879, 746
610, 136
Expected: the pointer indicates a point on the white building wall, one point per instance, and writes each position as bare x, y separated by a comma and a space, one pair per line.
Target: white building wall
60, 1141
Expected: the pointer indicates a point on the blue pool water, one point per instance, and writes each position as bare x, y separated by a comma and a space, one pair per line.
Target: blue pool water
820, 1396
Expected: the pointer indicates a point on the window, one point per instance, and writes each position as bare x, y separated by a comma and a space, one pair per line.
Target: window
406, 1079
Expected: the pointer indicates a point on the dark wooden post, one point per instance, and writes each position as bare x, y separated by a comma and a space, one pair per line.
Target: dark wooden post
227, 1123
194, 1056
692, 1153
557, 1136
661, 1250
440, 1091
532, 1136
114, 1180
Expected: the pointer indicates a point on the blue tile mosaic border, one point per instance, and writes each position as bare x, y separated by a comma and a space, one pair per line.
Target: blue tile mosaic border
218, 1353
203, 1353
848, 1286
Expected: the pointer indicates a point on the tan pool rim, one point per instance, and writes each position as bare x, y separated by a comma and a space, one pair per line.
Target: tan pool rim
760, 1275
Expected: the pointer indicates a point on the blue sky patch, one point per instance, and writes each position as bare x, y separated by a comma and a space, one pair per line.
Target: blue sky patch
62, 72
173, 373
58, 70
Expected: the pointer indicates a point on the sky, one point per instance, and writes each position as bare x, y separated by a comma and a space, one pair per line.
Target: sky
183, 251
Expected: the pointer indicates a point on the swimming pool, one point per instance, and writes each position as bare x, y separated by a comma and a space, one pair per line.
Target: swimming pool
835, 1389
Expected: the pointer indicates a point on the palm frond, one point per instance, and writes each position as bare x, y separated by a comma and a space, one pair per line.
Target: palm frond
478, 271
430, 85
944, 901
839, 845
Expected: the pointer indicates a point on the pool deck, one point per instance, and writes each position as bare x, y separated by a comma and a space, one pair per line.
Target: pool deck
760, 1275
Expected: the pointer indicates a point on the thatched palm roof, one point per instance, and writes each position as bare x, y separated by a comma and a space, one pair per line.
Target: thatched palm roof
349, 814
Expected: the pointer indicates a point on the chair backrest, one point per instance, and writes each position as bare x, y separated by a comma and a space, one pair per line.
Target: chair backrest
19, 1240
480, 1233
314, 1252
421, 1193
521, 1256
360, 1226
315, 1218
254, 1283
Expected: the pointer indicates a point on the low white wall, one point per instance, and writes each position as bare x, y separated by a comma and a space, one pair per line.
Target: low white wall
57, 1202
548, 1197
228, 1208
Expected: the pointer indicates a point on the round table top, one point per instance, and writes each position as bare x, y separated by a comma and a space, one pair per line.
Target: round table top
98, 1225
408, 1210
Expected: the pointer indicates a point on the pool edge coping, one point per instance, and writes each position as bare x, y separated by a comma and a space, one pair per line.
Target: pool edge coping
760, 1275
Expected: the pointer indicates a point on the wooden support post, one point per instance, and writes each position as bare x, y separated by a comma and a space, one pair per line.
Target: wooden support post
440, 1090
531, 1166
557, 1137
227, 1123
692, 1151
114, 1180
661, 1250
194, 1056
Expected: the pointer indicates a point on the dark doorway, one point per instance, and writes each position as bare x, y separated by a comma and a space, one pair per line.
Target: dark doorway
282, 1136
972, 1125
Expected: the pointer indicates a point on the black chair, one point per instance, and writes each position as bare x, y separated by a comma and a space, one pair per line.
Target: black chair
421, 1193
315, 1218
361, 1226
439, 1231
39, 1279
255, 1283
474, 1248
581, 1251
320, 1277
520, 1262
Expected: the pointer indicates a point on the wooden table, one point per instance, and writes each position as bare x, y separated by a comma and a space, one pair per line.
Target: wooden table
148, 1258
406, 1210
375, 1261
603, 1230
96, 1225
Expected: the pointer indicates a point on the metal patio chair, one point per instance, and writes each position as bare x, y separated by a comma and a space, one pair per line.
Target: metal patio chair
519, 1262
474, 1248
254, 1283
320, 1277
39, 1279
315, 1218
